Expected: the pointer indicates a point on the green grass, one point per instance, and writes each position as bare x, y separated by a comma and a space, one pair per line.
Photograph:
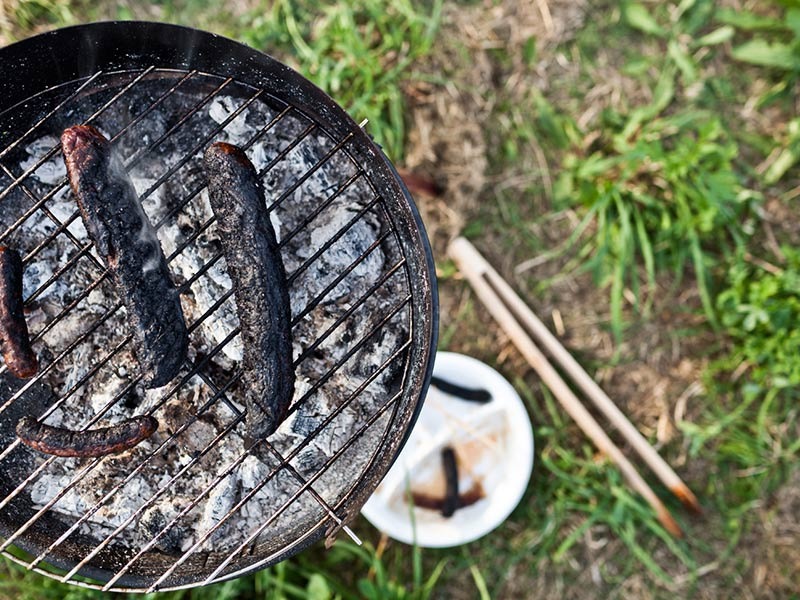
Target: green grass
751, 425
346, 572
19, 16
582, 485
360, 52
772, 41
760, 308
660, 191
658, 184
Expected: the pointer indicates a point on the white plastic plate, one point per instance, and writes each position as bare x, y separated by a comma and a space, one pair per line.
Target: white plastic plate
493, 443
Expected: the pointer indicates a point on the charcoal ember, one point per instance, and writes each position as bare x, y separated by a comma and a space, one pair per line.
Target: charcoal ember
48, 485
251, 472
333, 436
310, 461
204, 293
343, 251
44, 265
218, 504
138, 136
36, 274
50, 171
222, 108
175, 412
347, 249
302, 424
151, 524
200, 434
369, 360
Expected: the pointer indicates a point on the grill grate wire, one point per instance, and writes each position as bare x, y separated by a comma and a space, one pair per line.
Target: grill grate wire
199, 368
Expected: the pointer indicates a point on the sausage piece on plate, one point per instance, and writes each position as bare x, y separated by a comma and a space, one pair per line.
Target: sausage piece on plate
127, 241
259, 282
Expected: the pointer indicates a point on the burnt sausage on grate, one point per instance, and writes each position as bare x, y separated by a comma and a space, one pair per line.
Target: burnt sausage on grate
90, 443
259, 282
16, 344
127, 241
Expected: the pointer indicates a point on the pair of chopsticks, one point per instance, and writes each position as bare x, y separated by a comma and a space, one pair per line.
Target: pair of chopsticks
514, 316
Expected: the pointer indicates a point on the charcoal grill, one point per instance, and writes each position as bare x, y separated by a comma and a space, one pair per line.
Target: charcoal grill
191, 506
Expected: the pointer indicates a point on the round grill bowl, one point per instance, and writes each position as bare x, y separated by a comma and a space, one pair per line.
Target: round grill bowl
190, 505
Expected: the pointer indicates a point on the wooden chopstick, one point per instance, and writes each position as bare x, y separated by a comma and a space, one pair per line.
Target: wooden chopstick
584, 381
474, 268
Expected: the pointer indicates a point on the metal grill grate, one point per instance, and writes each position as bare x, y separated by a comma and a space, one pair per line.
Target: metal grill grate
353, 307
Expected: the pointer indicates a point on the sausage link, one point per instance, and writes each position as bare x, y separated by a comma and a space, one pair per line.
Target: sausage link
127, 241
16, 344
478, 395
259, 282
450, 466
59, 441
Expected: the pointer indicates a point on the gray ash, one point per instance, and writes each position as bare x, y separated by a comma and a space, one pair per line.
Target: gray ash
178, 481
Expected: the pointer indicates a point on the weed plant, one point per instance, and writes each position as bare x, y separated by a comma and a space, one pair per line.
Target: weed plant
773, 42
359, 51
662, 194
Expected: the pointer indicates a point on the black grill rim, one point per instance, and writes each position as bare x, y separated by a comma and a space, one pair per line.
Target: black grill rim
34, 65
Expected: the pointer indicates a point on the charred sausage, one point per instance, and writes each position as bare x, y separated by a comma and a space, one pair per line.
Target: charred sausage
90, 443
259, 284
14, 339
477, 395
127, 241
450, 467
